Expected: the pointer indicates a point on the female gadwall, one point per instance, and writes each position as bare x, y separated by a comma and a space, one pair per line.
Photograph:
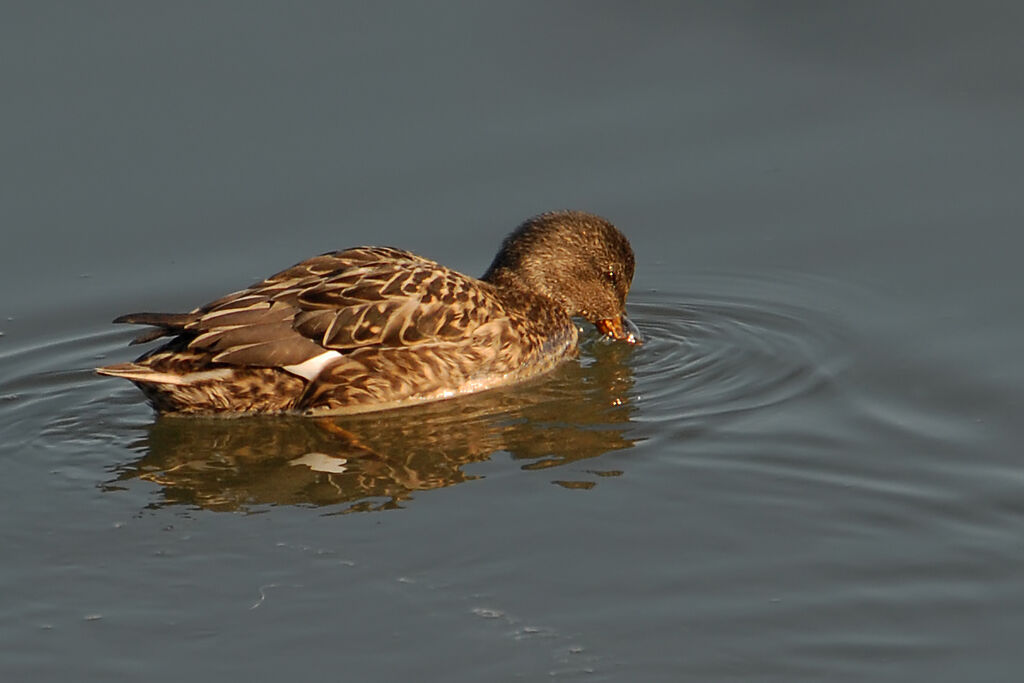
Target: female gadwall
372, 328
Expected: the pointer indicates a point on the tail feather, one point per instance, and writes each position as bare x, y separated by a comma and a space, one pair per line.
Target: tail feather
178, 388
169, 320
164, 324
141, 373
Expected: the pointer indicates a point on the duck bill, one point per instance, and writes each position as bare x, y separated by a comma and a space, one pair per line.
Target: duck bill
620, 328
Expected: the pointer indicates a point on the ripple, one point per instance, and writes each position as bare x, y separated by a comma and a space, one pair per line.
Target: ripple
53, 403
719, 346
48, 385
729, 345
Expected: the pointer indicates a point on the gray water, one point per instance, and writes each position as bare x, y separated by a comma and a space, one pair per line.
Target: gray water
812, 471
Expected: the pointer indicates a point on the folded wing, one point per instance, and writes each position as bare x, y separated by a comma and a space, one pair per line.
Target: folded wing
340, 301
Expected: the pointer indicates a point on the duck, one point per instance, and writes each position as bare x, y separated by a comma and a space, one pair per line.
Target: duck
374, 328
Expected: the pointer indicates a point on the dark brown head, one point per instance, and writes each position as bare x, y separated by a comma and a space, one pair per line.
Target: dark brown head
579, 260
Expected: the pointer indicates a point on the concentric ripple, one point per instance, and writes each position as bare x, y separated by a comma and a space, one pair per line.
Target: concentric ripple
50, 385
718, 347
733, 344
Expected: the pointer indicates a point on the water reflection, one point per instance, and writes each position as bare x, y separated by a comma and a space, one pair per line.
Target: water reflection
377, 461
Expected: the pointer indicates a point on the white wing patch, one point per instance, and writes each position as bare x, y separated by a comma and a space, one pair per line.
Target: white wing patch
310, 369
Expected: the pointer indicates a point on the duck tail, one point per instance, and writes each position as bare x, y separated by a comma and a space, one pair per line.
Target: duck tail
139, 373
164, 324
144, 374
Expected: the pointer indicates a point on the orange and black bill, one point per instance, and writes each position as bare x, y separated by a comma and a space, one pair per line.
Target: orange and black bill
621, 328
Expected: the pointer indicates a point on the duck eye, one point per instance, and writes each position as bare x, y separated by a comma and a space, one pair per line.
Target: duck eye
610, 276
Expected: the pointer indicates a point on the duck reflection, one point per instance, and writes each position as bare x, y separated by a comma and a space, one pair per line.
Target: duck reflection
377, 461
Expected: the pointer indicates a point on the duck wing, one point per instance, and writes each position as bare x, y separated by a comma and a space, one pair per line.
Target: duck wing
336, 302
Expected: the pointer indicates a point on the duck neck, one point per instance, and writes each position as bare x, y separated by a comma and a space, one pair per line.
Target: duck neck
502, 277
510, 286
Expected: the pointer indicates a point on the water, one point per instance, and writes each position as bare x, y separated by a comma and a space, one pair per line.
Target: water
809, 472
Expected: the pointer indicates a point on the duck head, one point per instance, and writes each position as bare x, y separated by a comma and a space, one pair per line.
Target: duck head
579, 260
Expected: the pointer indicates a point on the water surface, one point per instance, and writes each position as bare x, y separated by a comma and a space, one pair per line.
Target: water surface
810, 472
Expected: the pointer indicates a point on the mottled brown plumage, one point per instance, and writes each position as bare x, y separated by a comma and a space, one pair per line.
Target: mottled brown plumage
371, 328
